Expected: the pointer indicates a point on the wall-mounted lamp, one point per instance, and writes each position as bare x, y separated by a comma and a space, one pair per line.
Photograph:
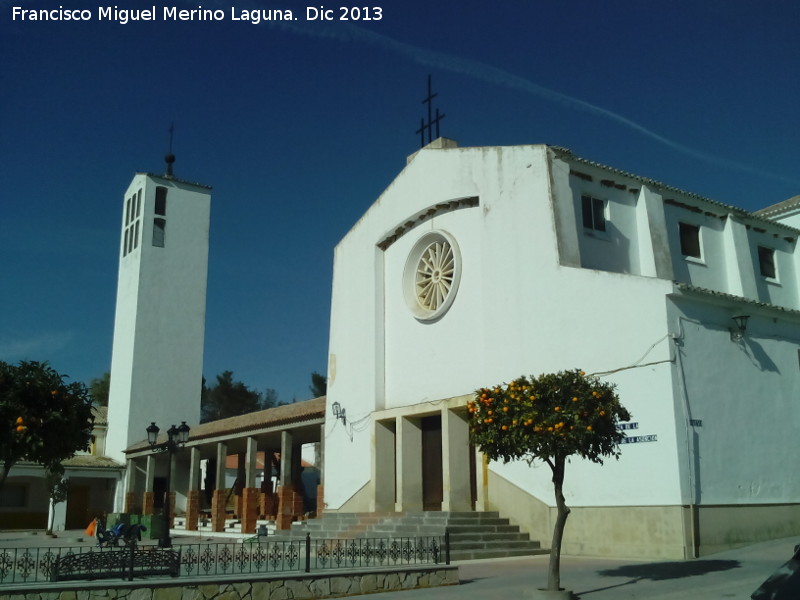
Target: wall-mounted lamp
739, 327
339, 412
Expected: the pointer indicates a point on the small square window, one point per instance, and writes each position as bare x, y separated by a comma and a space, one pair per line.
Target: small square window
766, 262
594, 213
690, 240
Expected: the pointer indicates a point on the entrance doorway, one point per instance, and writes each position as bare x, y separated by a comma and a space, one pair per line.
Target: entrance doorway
432, 489
78, 507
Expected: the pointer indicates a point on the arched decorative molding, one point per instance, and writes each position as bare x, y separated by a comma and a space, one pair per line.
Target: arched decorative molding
425, 215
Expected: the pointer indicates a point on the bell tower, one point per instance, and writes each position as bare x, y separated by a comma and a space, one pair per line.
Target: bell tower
159, 328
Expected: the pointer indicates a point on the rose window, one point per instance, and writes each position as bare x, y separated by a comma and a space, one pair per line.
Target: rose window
432, 275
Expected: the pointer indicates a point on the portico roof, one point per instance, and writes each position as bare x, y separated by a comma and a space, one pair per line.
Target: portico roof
268, 423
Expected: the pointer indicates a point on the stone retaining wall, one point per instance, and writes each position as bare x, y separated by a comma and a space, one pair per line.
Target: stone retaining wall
298, 587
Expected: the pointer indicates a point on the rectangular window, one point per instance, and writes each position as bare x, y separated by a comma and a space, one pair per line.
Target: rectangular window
125, 244
136, 234
138, 203
159, 232
690, 240
594, 213
128, 212
161, 201
766, 262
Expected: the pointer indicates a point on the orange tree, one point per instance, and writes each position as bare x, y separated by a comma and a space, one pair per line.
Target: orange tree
550, 417
43, 418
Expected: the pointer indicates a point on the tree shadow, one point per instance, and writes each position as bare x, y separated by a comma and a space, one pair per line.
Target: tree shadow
663, 570
671, 570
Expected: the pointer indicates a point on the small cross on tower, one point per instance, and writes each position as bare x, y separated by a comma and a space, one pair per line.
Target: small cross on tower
428, 127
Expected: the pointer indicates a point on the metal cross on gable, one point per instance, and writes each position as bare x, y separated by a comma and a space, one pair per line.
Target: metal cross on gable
428, 127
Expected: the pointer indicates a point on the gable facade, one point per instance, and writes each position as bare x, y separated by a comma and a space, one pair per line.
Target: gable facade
477, 265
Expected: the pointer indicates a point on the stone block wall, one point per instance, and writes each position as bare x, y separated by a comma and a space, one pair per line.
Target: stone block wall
249, 509
290, 506
320, 500
268, 507
131, 505
218, 510
192, 510
299, 587
172, 509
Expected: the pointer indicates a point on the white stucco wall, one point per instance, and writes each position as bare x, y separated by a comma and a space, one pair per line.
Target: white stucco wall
617, 248
745, 396
538, 293
159, 329
517, 312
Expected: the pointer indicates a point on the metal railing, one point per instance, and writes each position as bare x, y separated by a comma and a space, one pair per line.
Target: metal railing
374, 552
35, 565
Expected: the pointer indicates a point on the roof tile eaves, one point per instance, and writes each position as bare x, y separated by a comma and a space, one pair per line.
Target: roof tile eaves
297, 412
658, 184
252, 426
688, 287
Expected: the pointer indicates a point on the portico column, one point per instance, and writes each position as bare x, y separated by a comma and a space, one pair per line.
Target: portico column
239, 485
130, 487
383, 467
250, 492
149, 501
456, 494
321, 466
172, 465
482, 481
298, 488
409, 464
268, 499
219, 496
286, 488
193, 492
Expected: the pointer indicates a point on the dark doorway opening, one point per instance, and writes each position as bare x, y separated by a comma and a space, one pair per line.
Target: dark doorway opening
432, 489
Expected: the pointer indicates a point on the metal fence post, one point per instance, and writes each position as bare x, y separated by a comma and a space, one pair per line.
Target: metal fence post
308, 552
130, 566
447, 546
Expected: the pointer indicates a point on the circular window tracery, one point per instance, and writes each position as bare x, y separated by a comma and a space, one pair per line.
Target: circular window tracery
432, 275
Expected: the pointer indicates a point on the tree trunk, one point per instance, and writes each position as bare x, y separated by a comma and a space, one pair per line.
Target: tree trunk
554, 572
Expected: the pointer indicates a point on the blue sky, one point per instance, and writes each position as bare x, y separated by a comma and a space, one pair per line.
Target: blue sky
299, 127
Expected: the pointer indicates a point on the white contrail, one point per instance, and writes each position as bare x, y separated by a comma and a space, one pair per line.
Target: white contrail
346, 32
497, 76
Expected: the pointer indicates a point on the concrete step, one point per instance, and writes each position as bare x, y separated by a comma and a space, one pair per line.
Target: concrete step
494, 553
492, 544
472, 534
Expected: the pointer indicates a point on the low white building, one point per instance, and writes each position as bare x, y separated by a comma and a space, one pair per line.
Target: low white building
93, 478
477, 265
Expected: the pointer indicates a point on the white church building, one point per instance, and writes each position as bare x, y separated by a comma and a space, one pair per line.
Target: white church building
477, 265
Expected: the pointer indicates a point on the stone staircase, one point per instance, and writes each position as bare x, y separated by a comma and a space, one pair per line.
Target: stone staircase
472, 534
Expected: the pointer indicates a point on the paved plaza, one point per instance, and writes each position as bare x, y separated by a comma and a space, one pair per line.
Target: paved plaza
731, 574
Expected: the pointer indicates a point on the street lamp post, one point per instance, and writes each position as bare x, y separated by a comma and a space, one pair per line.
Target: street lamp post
176, 438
